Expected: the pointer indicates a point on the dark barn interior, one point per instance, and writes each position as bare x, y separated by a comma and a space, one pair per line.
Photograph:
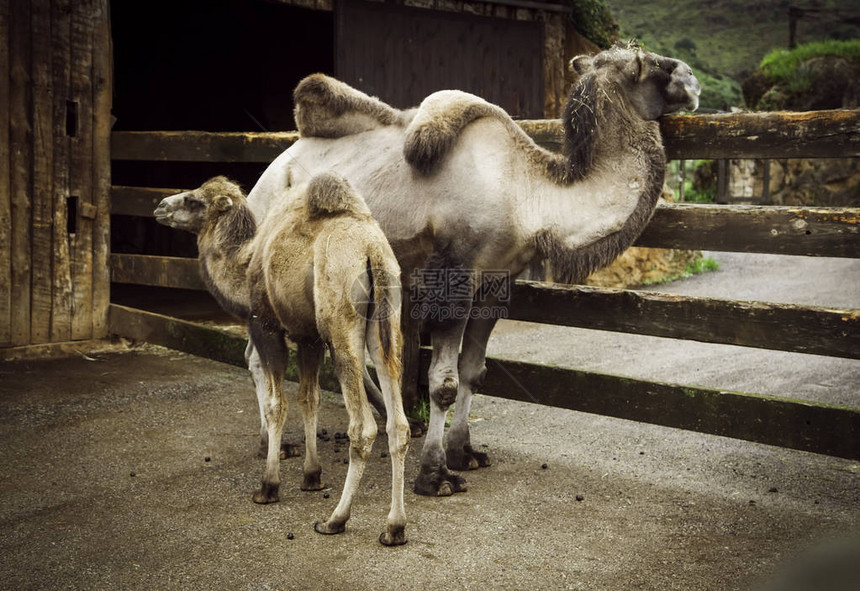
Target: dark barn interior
213, 65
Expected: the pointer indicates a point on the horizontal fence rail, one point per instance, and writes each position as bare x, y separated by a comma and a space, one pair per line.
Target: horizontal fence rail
807, 231
156, 271
807, 426
781, 327
810, 134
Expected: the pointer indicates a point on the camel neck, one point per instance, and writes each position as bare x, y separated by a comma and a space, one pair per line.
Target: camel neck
225, 253
587, 223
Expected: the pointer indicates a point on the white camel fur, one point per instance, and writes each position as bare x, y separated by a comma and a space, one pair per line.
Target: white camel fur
319, 271
456, 184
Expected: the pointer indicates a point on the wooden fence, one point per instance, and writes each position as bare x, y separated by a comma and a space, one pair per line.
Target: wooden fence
807, 231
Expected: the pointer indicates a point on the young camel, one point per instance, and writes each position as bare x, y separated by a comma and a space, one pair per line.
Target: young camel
319, 271
457, 185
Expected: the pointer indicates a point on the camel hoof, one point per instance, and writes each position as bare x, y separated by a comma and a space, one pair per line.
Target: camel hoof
482, 459
466, 458
289, 450
268, 493
439, 484
329, 529
417, 427
396, 537
311, 482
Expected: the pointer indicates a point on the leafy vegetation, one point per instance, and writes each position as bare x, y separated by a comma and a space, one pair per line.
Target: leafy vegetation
703, 265
594, 21
697, 267
723, 40
781, 66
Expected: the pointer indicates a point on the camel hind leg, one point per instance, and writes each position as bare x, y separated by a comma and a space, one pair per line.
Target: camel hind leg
348, 356
398, 429
310, 356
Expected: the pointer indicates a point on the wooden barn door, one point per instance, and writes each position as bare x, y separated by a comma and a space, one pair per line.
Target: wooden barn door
402, 54
55, 97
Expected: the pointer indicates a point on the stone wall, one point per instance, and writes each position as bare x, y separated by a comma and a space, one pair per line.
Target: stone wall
823, 182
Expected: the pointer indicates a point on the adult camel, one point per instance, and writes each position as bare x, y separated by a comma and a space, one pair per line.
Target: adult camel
460, 190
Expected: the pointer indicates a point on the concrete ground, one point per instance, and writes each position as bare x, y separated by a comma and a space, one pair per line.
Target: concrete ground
133, 469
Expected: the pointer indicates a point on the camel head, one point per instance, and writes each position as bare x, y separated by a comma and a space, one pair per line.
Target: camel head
196, 210
652, 84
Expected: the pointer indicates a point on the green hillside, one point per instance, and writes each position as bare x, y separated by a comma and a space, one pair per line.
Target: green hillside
723, 40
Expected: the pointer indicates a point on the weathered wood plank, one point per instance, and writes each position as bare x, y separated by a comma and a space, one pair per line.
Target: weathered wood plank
813, 134
808, 231
61, 322
200, 146
805, 231
176, 272
5, 195
20, 145
803, 425
196, 339
781, 327
102, 88
137, 201
81, 169
41, 234
177, 334
807, 426
732, 135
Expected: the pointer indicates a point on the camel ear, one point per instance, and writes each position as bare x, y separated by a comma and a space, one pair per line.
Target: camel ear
222, 203
580, 64
635, 69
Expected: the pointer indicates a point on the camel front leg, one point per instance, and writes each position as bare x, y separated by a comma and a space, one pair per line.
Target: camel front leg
273, 356
458, 446
310, 357
434, 478
258, 376
348, 356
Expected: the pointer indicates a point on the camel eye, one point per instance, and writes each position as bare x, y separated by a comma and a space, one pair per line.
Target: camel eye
193, 204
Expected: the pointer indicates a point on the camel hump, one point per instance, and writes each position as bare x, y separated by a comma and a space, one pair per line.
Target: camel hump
329, 194
329, 108
439, 121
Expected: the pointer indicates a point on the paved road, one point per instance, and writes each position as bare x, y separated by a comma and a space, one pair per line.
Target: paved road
827, 282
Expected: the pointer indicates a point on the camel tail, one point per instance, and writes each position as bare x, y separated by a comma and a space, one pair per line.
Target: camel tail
385, 282
329, 195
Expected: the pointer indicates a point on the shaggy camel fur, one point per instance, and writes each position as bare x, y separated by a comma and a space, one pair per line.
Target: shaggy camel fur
319, 271
462, 192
